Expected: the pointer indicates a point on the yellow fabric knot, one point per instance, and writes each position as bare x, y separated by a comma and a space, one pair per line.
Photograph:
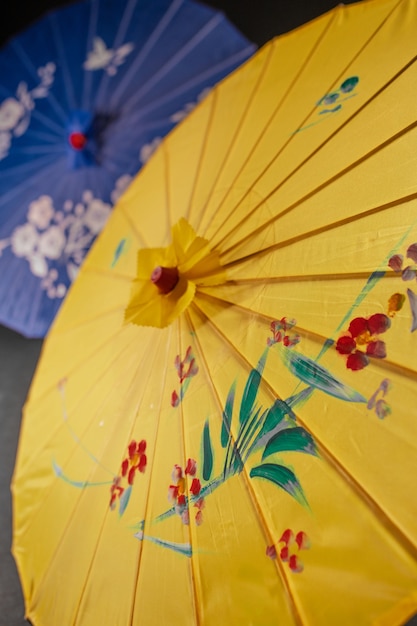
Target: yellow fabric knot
197, 265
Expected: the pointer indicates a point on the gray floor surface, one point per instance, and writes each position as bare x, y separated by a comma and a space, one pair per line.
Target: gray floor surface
18, 357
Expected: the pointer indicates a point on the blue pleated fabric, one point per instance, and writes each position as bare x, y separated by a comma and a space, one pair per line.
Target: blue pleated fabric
86, 95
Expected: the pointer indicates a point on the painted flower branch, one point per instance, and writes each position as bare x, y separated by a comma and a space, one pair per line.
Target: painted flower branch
250, 428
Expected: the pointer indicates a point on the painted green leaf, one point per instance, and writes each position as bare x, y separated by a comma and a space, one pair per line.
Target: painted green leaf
236, 463
227, 416
318, 377
251, 389
244, 441
276, 413
124, 500
257, 417
249, 395
207, 452
281, 476
290, 440
299, 399
261, 363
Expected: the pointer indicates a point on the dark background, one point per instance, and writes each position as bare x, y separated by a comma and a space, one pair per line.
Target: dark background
259, 20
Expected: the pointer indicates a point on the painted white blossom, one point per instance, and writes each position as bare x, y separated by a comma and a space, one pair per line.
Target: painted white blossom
11, 111
180, 115
122, 184
64, 235
24, 240
87, 196
52, 243
79, 209
46, 73
38, 265
61, 290
72, 271
189, 106
148, 149
96, 215
15, 113
41, 212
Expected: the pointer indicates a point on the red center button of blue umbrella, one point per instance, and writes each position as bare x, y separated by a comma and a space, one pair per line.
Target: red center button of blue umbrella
165, 278
77, 140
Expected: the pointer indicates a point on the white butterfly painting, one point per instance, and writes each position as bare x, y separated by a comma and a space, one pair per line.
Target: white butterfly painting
102, 57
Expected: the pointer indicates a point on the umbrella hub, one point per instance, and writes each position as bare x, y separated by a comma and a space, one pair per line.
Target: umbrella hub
186, 265
77, 140
165, 278
84, 138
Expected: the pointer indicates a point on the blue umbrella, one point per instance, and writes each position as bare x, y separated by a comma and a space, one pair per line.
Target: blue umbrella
86, 95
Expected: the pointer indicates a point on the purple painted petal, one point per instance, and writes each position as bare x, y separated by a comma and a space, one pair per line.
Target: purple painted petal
382, 409
412, 297
412, 252
408, 273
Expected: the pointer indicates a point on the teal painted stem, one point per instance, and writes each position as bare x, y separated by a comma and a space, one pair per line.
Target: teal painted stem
184, 388
205, 491
233, 454
180, 548
76, 483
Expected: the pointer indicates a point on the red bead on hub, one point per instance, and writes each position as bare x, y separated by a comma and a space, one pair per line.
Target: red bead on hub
165, 278
77, 140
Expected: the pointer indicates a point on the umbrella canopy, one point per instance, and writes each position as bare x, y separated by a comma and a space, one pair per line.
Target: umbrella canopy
222, 425
86, 95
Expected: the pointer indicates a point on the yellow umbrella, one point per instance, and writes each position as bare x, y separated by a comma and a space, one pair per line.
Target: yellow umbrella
222, 426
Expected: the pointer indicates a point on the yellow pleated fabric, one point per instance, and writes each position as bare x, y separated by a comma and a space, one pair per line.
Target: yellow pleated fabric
253, 461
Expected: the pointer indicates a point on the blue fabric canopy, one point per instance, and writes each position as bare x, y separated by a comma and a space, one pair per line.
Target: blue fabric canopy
86, 95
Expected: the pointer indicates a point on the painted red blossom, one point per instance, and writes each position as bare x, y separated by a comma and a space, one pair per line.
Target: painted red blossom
116, 491
280, 333
134, 462
361, 341
177, 492
175, 400
195, 487
290, 545
191, 467
186, 369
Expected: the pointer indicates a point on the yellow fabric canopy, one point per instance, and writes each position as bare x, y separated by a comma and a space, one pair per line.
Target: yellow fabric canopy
239, 448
